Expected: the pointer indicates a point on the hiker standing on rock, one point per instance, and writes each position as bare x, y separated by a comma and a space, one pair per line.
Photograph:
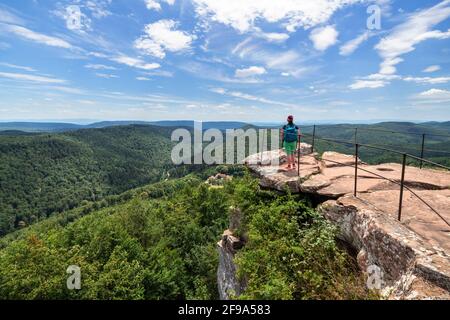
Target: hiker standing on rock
289, 136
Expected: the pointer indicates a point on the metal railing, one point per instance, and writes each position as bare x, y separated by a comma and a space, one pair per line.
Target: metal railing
423, 137
357, 147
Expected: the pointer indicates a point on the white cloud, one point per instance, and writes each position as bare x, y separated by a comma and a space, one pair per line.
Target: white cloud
250, 72
380, 76
351, 46
97, 54
161, 36
142, 79
435, 92
160, 73
292, 14
98, 8
433, 96
30, 78
427, 80
324, 37
373, 81
416, 29
246, 96
14, 66
36, 37
210, 72
156, 4
432, 68
286, 61
367, 84
135, 63
99, 67
106, 75
274, 36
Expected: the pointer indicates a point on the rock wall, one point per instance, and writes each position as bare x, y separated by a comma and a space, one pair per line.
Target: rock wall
410, 267
228, 283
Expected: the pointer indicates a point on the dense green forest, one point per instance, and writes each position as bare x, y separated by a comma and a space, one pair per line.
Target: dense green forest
46, 173
158, 242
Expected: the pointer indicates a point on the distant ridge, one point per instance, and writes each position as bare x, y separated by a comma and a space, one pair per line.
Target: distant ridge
61, 126
14, 128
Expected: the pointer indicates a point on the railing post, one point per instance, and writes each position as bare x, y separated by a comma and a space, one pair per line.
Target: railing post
423, 150
402, 182
356, 168
313, 138
356, 135
281, 140
298, 154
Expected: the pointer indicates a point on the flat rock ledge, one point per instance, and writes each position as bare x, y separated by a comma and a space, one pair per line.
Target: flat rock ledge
411, 257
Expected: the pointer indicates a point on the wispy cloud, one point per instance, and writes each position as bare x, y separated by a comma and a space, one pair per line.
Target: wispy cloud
433, 96
246, 96
416, 29
428, 80
28, 34
160, 73
135, 62
8, 17
143, 79
349, 47
30, 78
290, 62
99, 67
106, 75
367, 84
14, 66
211, 72
250, 72
432, 68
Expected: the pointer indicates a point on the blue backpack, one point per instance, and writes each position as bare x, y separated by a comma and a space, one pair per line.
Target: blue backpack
290, 133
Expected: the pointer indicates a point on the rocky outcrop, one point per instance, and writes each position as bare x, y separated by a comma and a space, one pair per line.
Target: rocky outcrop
228, 283
413, 256
218, 180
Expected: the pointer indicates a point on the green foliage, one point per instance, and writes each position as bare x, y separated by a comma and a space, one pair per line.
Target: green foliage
146, 248
158, 242
48, 173
291, 251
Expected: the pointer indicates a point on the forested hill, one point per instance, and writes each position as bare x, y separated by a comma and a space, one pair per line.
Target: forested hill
45, 173
159, 242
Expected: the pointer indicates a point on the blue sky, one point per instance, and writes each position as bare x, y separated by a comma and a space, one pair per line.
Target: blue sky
224, 60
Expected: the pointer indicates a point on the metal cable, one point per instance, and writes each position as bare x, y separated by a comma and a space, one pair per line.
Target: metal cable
393, 181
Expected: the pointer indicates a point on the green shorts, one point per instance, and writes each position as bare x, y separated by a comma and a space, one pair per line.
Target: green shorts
290, 147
